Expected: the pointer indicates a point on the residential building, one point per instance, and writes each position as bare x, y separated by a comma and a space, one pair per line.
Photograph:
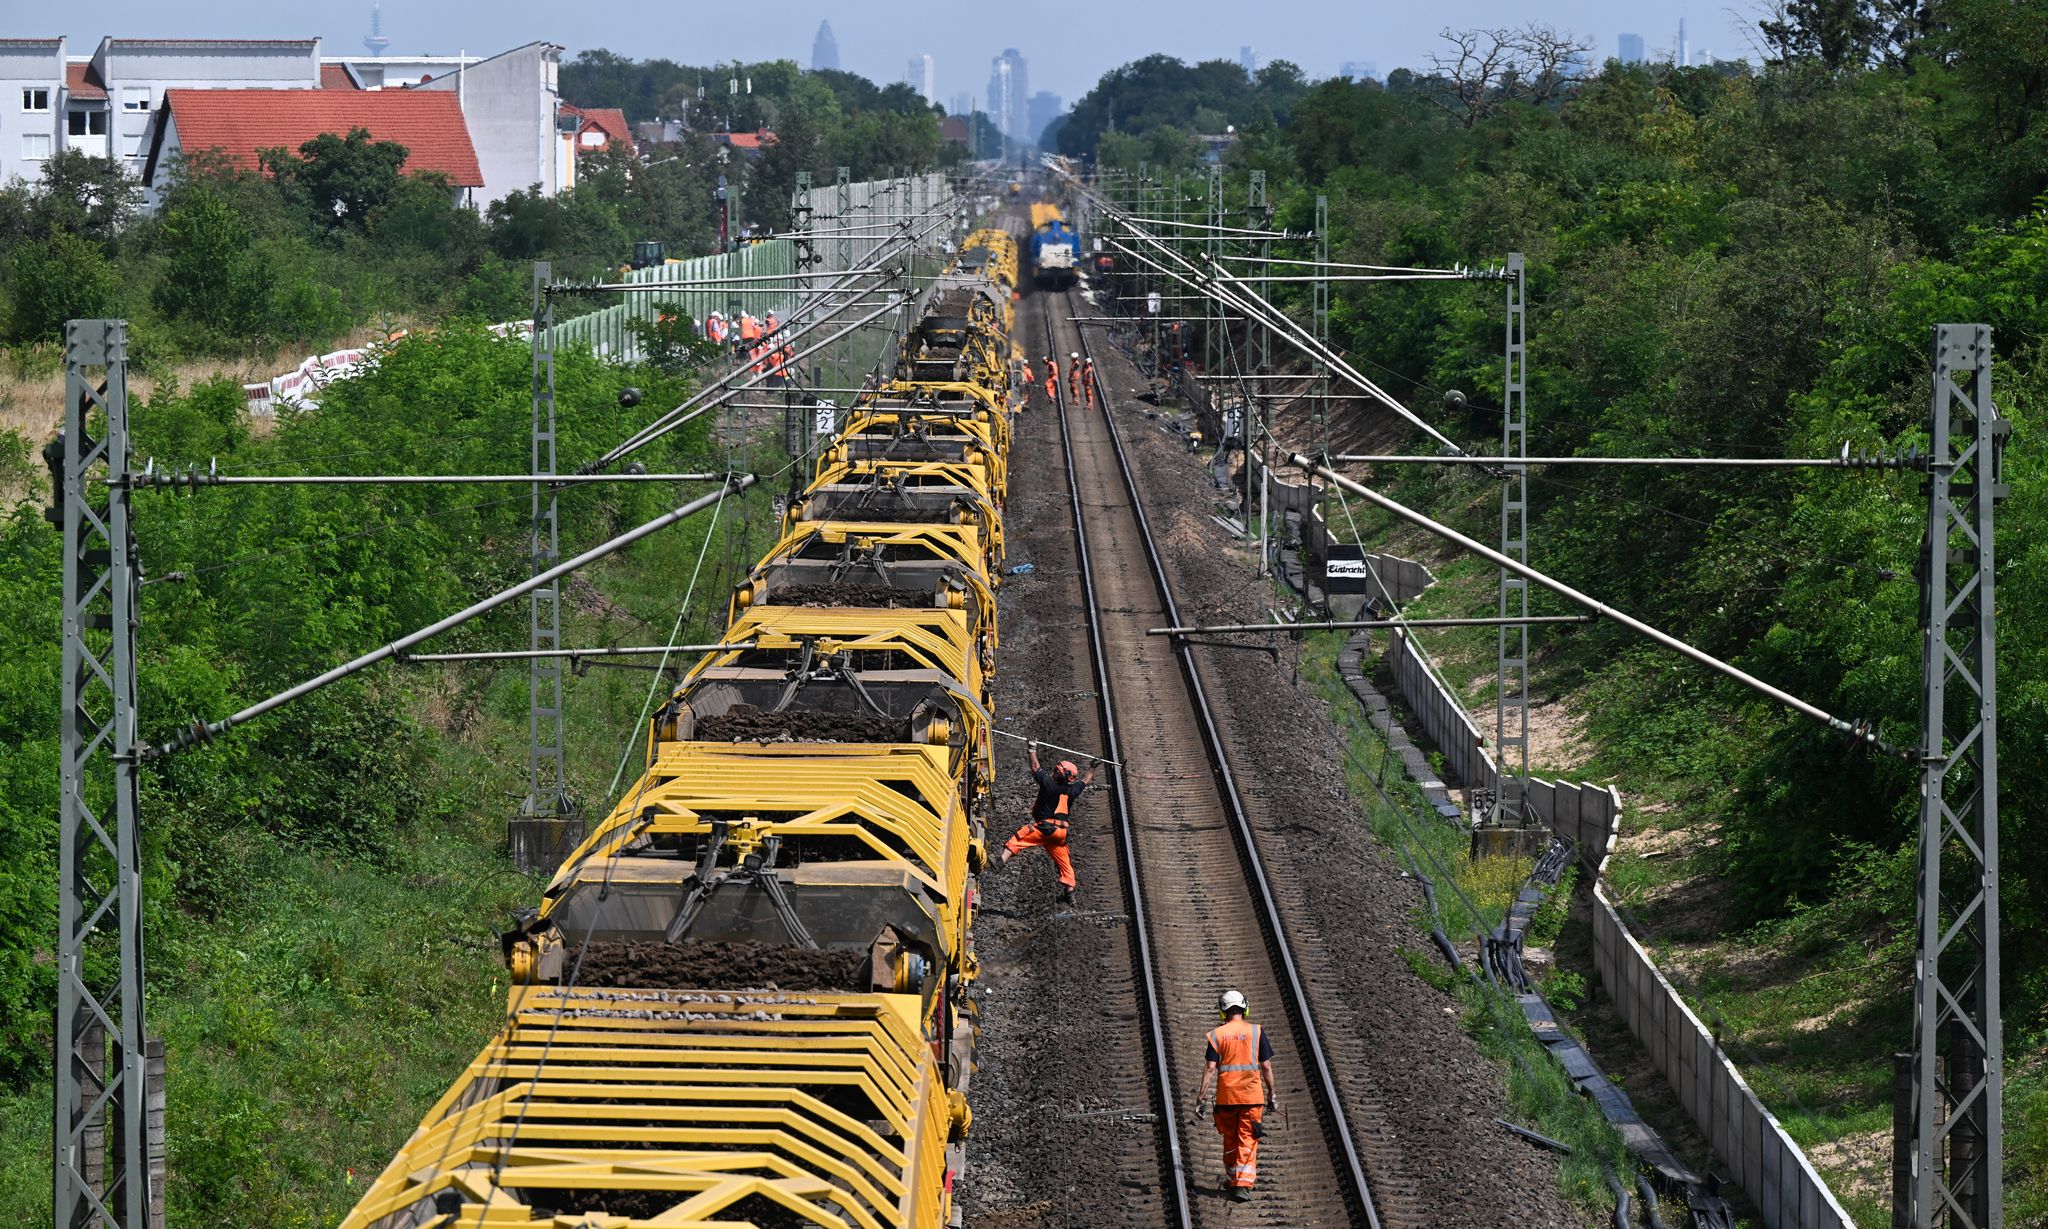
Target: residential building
598, 127
824, 49
1629, 49
240, 124
33, 81
649, 133
393, 71
1043, 109
922, 76
1009, 84
750, 144
136, 73
513, 103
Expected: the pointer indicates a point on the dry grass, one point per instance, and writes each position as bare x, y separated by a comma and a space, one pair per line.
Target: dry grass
32, 378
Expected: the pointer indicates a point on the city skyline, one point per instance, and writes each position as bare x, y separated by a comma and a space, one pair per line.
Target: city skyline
1318, 36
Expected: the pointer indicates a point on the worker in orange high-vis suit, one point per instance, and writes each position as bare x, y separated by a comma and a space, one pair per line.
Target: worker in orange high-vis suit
1073, 377
1052, 378
1052, 817
1088, 381
1237, 1083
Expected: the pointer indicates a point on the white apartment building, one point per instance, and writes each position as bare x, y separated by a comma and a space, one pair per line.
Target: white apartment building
111, 102
513, 104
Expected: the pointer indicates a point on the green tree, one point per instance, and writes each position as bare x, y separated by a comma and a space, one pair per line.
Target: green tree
342, 179
211, 277
83, 195
62, 277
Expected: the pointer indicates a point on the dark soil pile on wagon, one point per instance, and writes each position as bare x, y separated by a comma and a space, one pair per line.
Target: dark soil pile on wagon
877, 596
653, 965
744, 723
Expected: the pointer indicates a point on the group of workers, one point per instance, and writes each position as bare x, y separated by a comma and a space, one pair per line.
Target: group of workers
1237, 1074
763, 344
1080, 379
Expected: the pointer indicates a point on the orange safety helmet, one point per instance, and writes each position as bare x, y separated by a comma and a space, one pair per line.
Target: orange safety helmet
1067, 771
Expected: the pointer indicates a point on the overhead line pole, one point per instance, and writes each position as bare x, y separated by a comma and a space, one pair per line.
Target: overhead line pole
101, 1098
1956, 1172
1511, 676
547, 795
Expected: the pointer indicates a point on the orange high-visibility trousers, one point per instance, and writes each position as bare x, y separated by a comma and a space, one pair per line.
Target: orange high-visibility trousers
1029, 836
1240, 1147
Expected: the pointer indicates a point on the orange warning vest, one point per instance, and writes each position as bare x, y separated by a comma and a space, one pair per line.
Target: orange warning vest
1236, 1042
750, 328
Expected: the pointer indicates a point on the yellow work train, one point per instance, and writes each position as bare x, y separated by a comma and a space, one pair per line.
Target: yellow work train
742, 1000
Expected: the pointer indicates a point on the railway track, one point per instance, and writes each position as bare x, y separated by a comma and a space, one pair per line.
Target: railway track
1204, 913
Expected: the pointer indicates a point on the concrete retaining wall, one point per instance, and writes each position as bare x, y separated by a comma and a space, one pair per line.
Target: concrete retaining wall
1766, 1164
1764, 1161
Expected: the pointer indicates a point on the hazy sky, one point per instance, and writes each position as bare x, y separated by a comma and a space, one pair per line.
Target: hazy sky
1068, 45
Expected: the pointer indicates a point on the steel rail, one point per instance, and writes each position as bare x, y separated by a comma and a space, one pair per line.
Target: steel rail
641, 650
1327, 625
1127, 837
205, 732
1323, 1091
1836, 462
713, 283
166, 479
1858, 731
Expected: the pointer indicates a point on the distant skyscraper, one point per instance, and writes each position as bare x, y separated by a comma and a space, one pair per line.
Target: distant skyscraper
824, 49
1248, 60
1359, 70
1009, 85
1629, 49
922, 77
376, 43
963, 101
1684, 47
1043, 109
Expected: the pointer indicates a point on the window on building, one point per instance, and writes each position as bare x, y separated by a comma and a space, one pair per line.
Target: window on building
87, 123
135, 98
35, 146
131, 146
35, 100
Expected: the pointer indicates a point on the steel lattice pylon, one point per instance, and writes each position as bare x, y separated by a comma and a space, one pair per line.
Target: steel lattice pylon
100, 1099
547, 794
1958, 1130
1511, 697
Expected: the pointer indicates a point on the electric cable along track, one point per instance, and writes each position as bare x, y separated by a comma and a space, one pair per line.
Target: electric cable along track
1205, 912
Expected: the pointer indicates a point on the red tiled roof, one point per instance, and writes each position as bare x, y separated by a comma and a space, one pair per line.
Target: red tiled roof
612, 121
241, 122
335, 77
80, 81
745, 140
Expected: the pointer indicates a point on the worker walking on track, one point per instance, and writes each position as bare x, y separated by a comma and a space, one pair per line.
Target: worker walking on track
1052, 814
1088, 381
1052, 378
1237, 1083
1074, 377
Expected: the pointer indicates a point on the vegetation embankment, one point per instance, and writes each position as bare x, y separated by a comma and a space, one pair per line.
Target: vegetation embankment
321, 886
1745, 262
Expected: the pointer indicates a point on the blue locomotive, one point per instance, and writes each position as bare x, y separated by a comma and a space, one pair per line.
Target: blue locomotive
1055, 248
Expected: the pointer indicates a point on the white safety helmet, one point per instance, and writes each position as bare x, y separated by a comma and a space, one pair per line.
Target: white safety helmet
1229, 1001
1074, 354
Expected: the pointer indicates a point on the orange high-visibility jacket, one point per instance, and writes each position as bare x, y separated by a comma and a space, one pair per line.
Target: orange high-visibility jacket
1236, 1042
750, 328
